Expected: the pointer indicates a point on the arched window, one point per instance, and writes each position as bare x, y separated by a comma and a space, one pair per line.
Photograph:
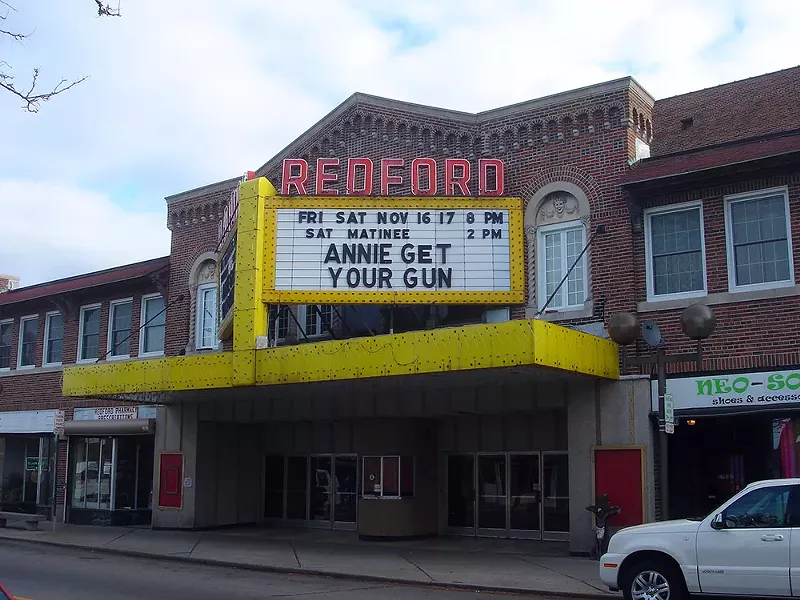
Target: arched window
203, 288
558, 269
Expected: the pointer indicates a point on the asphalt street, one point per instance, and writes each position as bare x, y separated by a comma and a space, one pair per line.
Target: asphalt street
51, 573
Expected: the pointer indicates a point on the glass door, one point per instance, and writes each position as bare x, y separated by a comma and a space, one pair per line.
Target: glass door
525, 494
345, 505
492, 487
461, 493
297, 488
320, 508
556, 495
274, 476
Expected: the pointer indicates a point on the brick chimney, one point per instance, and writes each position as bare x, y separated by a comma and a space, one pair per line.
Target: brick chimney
8, 283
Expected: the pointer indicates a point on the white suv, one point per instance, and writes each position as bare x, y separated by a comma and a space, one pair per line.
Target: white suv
750, 546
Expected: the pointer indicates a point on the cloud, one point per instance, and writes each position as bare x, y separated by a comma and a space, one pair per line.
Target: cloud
185, 93
51, 231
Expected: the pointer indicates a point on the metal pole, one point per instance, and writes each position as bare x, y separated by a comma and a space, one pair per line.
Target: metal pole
54, 484
663, 474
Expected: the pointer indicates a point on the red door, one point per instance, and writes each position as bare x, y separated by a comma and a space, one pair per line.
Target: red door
170, 481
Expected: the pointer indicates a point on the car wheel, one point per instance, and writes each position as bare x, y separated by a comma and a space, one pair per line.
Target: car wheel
653, 579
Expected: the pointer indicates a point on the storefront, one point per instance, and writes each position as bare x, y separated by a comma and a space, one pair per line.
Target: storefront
27, 459
111, 465
732, 429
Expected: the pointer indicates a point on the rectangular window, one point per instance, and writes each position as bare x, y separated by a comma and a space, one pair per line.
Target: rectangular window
318, 319
154, 320
388, 477
119, 328
674, 252
759, 241
6, 331
559, 248
89, 336
28, 329
278, 325
53, 338
206, 333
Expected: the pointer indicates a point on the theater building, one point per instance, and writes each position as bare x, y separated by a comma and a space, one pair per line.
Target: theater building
716, 213
396, 326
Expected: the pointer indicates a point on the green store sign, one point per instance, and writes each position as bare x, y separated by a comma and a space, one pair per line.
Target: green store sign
757, 389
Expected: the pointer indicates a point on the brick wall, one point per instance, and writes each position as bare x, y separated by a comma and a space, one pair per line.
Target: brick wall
40, 388
193, 223
750, 334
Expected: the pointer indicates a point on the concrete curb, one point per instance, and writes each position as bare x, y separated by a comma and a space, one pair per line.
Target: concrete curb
313, 572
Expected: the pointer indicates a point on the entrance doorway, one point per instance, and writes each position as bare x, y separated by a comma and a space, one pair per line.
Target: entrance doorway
509, 494
318, 490
111, 480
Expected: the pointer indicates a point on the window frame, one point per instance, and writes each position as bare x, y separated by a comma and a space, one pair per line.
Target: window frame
81, 323
302, 318
110, 334
11, 345
46, 342
20, 341
729, 201
541, 266
143, 328
765, 489
648, 251
198, 326
381, 496
278, 307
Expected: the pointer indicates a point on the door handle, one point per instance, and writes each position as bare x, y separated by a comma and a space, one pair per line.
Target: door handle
772, 538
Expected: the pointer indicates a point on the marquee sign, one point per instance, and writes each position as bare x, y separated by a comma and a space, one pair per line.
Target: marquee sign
394, 250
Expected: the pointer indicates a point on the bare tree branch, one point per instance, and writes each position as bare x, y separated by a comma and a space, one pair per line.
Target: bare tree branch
30, 98
106, 10
31, 101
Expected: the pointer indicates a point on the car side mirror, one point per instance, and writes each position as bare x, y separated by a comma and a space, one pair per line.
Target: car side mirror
718, 522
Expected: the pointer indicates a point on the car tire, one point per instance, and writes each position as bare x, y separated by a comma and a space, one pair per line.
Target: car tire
659, 578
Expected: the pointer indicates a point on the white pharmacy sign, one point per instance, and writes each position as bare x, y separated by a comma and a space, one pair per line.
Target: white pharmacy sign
766, 390
371, 254
114, 413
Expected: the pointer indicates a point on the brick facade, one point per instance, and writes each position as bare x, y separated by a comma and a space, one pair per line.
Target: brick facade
39, 388
585, 138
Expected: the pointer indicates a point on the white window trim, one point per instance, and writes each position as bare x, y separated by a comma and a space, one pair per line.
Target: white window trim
198, 326
8, 322
143, 320
302, 311
541, 267
111, 306
648, 251
771, 285
47, 318
279, 339
22, 321
81, 319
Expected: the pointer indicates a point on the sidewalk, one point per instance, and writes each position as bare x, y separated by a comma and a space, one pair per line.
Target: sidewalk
466, 563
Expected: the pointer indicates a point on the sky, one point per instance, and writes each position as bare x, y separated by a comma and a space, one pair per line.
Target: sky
183, 93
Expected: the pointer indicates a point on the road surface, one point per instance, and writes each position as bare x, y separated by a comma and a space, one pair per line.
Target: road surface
39, 572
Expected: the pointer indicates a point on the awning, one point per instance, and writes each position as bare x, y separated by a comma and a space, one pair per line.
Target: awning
531, 344
111, 427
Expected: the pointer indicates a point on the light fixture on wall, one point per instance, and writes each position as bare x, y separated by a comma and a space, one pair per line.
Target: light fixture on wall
691, 422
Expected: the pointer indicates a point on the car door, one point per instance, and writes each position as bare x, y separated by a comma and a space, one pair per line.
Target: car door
744, 549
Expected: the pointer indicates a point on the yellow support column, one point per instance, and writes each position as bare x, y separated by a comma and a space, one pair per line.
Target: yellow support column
249, 314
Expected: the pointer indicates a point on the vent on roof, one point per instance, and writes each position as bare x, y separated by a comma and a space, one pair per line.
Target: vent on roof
687, 123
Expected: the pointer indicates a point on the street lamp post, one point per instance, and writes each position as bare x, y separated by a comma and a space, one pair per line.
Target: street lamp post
697, 322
